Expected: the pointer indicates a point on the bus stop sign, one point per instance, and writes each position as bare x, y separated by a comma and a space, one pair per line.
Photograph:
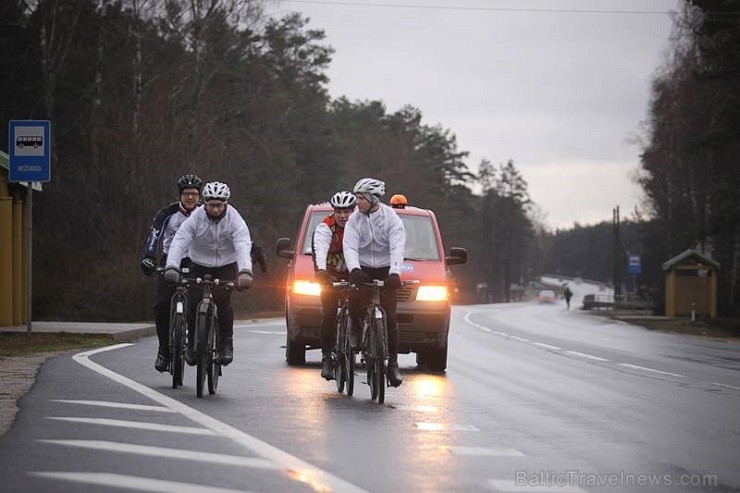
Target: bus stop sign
29, 148
635, 266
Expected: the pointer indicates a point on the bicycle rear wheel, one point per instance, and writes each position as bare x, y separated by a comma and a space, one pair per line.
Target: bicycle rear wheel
340, 362
349, 357
214, 369
177, 339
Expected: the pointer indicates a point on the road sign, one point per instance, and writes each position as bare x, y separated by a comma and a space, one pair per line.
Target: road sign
29, 148
634, 263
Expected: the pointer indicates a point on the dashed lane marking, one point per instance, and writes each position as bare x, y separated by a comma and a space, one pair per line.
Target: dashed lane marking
484, 451
170, 453
444, 427
509, 486
118, 405
138, 425
520, 339
653, 370
292, 466
132, 482
587, 356
547, 346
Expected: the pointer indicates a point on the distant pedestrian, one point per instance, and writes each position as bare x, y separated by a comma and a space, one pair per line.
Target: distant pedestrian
568, 295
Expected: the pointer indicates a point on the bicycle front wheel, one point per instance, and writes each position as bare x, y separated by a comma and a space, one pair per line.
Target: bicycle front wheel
379, 375
214, 369
177, 340
201, 346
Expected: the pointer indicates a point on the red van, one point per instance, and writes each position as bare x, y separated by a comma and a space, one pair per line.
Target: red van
423, 309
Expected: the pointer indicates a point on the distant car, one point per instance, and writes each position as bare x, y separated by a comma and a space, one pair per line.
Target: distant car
547, 296
423, 310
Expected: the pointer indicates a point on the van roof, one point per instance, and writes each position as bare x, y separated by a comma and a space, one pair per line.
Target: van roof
409, 209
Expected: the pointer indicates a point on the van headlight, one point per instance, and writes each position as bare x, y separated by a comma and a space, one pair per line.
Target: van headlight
306, 288
432, 293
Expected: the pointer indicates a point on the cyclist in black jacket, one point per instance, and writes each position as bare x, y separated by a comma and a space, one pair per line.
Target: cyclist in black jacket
164, 226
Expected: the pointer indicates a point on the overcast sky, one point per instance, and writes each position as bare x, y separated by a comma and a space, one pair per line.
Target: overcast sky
552, 85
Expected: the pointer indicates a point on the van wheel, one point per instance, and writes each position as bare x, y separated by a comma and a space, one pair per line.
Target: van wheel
435, 359
295, 354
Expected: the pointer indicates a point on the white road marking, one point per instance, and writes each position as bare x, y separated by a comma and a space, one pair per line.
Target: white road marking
420, 408
139, 425
294, 467
170, 453
477, 326
517, 338
546, 346
636, 367
273, 323
507, 485
266, 332
484, 451
119, 405
443, 426
132, 482
587, 356
725, 386
502, 334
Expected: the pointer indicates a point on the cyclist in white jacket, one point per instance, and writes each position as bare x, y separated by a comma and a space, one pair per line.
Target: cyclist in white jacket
374, 243
217, 239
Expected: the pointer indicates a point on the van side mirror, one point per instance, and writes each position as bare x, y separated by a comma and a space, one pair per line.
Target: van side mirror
458, 255
282, 248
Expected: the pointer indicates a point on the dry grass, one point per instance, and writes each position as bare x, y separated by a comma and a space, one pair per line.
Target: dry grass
23, 344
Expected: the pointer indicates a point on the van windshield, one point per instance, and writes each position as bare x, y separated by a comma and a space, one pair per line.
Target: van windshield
421, 242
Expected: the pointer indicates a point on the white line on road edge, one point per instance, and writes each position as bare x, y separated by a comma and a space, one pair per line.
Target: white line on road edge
587, 356
295, 468
520, 339
118, 405
636, 367
546, 346
139, 425
170, 453
477, 326
725, 386
133, 482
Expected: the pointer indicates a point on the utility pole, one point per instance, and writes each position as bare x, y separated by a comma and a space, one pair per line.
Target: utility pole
617, 259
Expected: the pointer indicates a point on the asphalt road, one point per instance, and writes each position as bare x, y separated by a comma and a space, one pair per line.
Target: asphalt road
534, 397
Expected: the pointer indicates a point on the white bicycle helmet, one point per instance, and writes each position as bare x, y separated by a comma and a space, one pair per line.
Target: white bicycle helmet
371, 186
343, 200
216, 190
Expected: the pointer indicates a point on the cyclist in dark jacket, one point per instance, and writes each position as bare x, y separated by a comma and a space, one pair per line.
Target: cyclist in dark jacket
329, 264
164, 226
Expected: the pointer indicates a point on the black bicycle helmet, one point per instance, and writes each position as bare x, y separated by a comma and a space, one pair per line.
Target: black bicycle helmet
189, 181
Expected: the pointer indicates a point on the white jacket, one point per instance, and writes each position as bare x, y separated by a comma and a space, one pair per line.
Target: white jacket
375, 240
212, 243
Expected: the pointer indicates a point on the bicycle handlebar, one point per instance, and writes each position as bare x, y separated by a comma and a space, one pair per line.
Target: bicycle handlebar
188, 281
374, 282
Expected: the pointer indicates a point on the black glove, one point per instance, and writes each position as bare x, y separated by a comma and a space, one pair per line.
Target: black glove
245, 280
148, 266
259, 257
323, 277
172, 275
393, 281
358, 277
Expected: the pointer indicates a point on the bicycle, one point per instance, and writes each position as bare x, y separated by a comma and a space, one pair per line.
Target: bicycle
207, 343
343, 354
375, 341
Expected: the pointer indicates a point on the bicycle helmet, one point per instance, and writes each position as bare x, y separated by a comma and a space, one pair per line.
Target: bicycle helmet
216, 190
343, 200
189, 181
370, 186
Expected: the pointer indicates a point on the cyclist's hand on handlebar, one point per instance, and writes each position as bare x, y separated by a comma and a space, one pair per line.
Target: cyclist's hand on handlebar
323, 277
172, 275
393, 281
358, 277
245, 279
148, 266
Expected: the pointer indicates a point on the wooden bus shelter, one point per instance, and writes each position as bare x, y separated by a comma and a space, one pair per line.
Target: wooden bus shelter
691, 284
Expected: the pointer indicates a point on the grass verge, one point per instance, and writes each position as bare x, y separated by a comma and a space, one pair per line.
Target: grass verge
23, 344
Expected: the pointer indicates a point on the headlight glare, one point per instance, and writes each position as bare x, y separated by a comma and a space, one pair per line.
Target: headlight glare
306, 288
432, 293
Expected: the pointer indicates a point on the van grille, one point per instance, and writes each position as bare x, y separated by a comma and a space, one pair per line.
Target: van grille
405, 294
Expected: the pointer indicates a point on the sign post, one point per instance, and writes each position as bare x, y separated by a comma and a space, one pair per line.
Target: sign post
29, 149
